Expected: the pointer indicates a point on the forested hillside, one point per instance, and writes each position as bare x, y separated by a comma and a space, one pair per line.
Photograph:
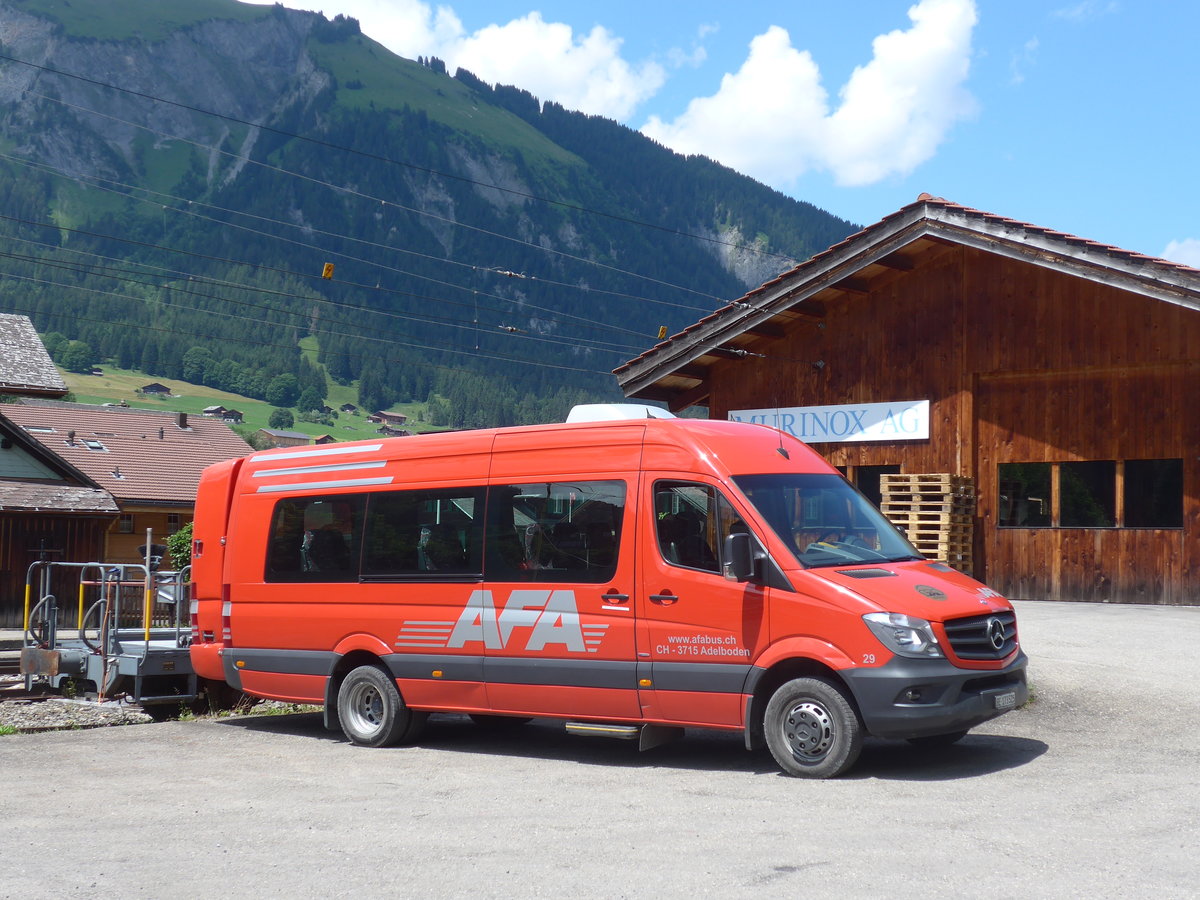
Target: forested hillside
177, 179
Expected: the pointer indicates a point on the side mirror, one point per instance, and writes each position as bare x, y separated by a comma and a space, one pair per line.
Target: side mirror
739, 564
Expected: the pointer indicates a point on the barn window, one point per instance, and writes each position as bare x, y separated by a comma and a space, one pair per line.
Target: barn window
1153, 493
1089, 494
1086, 494
1025, 495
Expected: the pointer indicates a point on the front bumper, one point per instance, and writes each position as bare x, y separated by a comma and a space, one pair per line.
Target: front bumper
908, 698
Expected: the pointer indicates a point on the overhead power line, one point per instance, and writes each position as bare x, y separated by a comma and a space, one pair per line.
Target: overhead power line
312, 276
396, 162
389, 341
384, 202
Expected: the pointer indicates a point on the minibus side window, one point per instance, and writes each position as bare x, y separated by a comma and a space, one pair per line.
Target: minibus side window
424, 534
554, 531
315, 539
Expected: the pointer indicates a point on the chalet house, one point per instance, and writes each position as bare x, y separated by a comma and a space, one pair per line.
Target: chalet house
325, 439
387, 418
277, 438
1058, 374
49, 510
155, 389
213, 411
348, 408
25, 367
147, 461
231, 416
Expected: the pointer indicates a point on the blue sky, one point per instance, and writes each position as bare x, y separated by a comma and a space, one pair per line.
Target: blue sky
1077, 115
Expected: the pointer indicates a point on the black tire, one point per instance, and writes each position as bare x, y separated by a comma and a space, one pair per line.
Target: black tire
935, 741
812, 729
499, 723
372, 712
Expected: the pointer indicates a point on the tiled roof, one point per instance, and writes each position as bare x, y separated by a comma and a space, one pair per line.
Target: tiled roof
936, 215
134, 454
25, 366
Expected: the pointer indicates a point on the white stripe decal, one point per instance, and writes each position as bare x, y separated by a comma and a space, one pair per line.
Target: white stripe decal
331, 467
322, 485
320, 451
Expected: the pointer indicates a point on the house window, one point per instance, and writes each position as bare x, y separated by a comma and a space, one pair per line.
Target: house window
172, 523
125, 524
1133, 493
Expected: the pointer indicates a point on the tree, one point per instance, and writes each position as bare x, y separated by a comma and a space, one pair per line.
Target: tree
281, 418
310, 400
179, 547
53, 341
283, 390
76, 356
197, 363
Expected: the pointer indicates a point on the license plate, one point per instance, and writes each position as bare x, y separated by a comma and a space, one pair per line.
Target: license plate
1006, 701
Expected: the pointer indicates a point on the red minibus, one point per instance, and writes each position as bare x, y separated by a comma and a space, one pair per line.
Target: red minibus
632, 577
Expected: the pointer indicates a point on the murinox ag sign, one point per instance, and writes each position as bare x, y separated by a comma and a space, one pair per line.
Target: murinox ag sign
902, 420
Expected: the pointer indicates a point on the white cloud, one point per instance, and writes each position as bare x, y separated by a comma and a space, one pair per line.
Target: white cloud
1023, 60
548, 59
1088, 9
1186, 251
772, 119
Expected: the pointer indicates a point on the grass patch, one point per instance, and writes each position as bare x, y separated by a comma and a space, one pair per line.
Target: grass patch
249, 706
8, 729
115, 385
150, 20
385, 81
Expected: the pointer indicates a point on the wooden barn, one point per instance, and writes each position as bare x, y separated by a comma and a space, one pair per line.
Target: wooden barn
1059, 377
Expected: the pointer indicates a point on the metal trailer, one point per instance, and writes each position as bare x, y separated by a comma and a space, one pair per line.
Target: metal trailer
129, 641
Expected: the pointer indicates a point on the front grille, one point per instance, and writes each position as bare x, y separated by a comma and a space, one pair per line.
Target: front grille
971, 638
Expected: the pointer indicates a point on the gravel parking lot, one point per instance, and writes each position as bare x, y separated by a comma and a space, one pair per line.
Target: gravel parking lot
1091, 791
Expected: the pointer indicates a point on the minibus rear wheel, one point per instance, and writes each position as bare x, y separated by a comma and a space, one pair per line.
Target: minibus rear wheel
812, 729
372, 712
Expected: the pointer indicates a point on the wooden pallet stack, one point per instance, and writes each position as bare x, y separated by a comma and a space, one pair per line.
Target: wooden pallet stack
936, 512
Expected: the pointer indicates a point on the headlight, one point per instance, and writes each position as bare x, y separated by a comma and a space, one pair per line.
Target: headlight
905, 635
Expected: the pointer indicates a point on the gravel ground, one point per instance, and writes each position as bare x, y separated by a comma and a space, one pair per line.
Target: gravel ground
59, 714
54, 713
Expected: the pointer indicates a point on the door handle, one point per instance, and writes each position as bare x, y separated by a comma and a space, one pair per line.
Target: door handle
663, 599
614, 597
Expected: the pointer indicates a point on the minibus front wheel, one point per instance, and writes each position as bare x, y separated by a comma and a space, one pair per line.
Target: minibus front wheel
372, 712
812, 729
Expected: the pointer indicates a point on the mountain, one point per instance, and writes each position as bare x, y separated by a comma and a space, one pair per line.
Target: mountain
177, 178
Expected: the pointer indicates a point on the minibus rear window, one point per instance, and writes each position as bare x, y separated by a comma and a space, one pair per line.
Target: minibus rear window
315, 539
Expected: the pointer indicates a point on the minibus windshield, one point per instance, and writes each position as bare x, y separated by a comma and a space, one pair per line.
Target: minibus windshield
824, 521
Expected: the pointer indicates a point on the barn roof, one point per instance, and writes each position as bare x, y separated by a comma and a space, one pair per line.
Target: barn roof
25, 366
677, 369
